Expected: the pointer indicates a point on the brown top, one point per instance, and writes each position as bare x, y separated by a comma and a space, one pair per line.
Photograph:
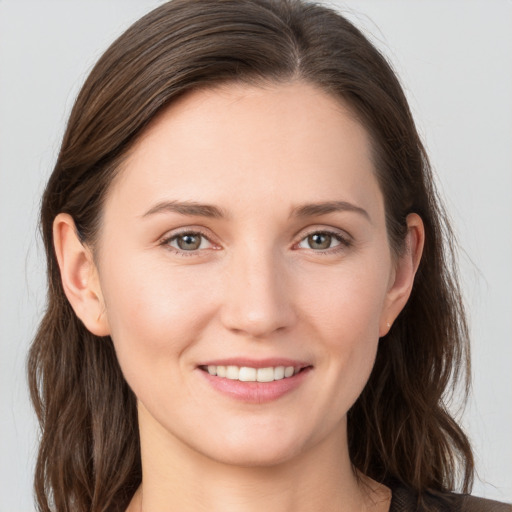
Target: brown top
404, 500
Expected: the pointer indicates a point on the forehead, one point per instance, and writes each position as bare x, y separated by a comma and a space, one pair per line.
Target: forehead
240, 144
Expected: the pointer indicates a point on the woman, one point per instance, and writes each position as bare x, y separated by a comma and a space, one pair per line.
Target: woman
250, 304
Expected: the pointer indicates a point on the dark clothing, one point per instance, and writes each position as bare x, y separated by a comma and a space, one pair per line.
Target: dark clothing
403, 500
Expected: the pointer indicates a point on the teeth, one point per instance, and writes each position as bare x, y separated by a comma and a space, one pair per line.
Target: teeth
288, 371
265, 375
248, 374
280, 372
232, 372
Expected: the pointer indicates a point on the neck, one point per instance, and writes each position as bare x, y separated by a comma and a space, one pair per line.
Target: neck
176, 477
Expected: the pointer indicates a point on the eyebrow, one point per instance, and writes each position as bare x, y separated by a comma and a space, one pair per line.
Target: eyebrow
315, 209
193, 208
188, 208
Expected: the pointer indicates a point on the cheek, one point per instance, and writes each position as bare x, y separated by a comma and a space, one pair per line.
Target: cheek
346, 303
344, 312
153, 311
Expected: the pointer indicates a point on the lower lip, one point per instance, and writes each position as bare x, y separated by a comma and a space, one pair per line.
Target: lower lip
256, 392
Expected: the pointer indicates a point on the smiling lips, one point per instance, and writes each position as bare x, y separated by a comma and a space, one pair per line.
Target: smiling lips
255, 382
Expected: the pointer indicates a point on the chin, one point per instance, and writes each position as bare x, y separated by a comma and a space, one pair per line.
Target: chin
256, 456
259, 449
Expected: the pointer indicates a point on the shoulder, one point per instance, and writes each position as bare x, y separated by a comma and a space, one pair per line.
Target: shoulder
475, 504
405, 500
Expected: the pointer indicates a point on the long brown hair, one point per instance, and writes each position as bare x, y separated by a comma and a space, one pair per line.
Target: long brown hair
399, 429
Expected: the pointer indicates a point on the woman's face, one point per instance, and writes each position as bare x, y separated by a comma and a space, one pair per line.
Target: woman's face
246, 230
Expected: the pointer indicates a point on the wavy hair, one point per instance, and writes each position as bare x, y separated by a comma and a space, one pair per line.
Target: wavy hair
399, 429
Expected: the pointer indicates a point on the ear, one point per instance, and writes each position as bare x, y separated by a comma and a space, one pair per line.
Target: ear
402, 278
79, 276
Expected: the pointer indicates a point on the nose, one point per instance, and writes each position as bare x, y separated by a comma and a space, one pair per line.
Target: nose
258, 294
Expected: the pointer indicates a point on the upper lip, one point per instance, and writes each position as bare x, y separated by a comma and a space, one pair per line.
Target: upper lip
256, 363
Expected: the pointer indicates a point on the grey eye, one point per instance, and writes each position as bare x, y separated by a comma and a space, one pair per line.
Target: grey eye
320, 241
187, 241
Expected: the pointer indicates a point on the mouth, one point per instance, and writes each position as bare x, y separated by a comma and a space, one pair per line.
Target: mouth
255, 382
253, 374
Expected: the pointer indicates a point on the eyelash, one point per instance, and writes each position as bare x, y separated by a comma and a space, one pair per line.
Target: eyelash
344, 242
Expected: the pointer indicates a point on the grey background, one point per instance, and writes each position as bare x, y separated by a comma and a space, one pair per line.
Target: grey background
455, 61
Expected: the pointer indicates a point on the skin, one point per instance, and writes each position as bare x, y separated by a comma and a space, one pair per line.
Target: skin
256, 287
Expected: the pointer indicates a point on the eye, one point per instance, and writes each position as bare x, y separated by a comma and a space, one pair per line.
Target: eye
187, 242
322, 241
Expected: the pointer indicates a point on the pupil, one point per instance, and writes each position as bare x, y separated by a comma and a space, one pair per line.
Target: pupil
320, 241
188, 242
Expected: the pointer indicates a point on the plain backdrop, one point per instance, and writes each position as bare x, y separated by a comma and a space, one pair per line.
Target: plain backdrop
455, 62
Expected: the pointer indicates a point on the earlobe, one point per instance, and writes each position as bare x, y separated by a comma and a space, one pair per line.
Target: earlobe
79, 276
405, 271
